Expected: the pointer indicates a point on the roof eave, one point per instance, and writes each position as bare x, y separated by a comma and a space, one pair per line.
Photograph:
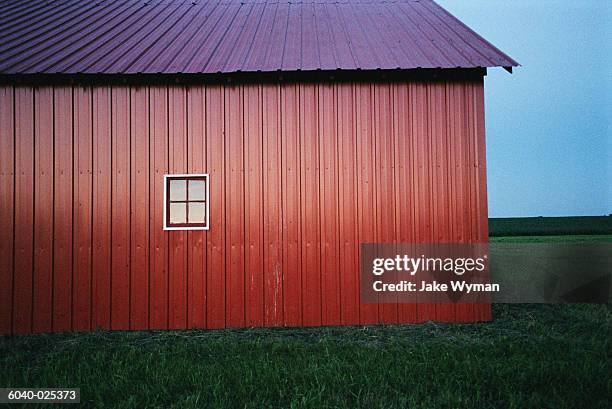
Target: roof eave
420, 74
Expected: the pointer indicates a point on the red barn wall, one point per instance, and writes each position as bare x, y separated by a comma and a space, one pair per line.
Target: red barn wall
300, 174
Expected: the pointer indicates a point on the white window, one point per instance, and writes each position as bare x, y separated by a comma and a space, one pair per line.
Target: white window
186, 202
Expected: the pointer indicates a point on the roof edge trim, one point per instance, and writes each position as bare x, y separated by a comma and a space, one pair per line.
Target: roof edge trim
416, 74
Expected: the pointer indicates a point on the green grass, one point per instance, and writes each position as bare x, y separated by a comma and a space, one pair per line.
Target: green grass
553, 239
544, 356
529, 356
530, 226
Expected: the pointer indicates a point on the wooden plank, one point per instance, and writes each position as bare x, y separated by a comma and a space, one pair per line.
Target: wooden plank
290, 163
349, 263
215, 247
43, 211
120, 209
62, 250
311, 220
101, 208
272, 196
177, 271
196, 247
368, 313
254, 296
7, 186
24, 209
82, 209
139, 208
234, 165
158, 250
330, 281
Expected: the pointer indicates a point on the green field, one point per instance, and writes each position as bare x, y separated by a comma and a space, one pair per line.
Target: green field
542, 226
544, 356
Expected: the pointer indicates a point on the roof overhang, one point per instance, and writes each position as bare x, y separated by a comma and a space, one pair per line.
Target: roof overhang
417, 74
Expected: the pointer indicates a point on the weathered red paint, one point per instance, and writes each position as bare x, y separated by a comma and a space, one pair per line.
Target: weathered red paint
43, 210
101, 229
7, 206
300, 175
139, 205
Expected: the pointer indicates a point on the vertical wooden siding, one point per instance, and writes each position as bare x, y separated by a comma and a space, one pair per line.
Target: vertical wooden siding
300, 175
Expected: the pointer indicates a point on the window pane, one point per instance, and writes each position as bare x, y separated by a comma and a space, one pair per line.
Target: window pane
178, 189
196, 190
197, 212
178, 213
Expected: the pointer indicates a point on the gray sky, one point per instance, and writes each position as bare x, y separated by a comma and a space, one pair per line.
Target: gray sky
549, 134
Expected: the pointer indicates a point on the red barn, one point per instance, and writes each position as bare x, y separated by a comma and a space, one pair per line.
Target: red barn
206, 164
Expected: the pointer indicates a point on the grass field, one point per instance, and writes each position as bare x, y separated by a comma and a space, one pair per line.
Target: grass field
541, 226
544, 356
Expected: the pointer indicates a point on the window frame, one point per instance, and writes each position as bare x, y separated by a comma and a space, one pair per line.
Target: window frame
186, 176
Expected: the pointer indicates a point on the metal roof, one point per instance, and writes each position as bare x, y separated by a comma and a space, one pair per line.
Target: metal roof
170, 37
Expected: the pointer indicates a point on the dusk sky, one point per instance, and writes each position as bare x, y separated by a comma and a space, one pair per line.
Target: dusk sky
549, 131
